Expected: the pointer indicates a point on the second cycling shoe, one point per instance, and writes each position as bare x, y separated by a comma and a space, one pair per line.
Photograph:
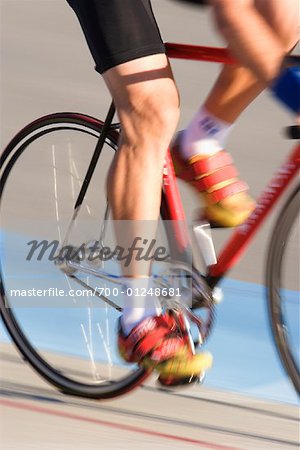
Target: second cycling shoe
226, 198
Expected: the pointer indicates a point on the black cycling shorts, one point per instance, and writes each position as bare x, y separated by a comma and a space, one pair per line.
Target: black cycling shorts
118, 31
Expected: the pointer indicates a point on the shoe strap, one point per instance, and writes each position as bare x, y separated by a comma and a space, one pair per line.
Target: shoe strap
215, 175
203, 165
226, 191
212, 180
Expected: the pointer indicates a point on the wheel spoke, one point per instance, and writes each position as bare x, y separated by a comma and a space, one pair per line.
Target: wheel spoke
65, 338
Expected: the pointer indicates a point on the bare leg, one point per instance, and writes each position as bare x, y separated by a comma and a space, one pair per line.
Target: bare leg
237, 86
148, 107
147, 103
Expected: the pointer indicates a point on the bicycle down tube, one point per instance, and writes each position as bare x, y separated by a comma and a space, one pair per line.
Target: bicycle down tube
244, 233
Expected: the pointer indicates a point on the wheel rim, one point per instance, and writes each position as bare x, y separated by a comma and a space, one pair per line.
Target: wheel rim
283, 283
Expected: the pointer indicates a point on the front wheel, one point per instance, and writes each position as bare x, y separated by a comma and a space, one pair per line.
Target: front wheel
283, 286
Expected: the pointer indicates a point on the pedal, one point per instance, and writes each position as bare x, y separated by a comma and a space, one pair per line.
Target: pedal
201, 217
202, 233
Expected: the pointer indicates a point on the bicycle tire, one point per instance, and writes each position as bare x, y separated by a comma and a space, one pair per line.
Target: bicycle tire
274, 270
9, 157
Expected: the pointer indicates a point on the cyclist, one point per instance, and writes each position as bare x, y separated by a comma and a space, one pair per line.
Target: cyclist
125, 42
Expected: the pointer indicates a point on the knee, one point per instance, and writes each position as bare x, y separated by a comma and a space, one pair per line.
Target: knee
288, 31
274, 11
150, 118
290, 39
160, 115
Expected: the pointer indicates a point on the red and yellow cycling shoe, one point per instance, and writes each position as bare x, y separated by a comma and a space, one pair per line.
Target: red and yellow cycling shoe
226, 198
160, 343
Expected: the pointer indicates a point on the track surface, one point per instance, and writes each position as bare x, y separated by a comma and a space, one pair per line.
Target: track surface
45, 67
34, 416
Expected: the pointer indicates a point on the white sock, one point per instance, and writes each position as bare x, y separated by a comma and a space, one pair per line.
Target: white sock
139, 305
205, 135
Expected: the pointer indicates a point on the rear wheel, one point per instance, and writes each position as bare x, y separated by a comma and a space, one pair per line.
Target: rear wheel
67, 335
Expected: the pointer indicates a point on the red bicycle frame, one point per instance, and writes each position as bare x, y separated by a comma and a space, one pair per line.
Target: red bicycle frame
172, 206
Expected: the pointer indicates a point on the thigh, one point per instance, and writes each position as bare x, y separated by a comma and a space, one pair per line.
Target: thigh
145, 77
118, 31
